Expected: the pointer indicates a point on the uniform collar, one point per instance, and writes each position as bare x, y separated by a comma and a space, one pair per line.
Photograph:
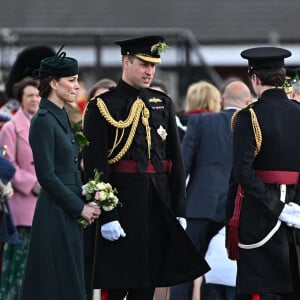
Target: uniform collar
128, 89
274, 93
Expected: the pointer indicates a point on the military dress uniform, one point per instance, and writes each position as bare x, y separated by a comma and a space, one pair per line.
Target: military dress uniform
149, 177
265, 145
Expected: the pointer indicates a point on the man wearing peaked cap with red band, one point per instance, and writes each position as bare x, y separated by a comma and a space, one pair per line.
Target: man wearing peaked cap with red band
134, 143
263, 206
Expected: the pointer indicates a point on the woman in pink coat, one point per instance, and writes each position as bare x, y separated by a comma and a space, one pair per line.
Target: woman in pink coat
14, 135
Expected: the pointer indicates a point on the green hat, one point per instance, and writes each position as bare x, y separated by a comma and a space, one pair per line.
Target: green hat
265, 57
146, 48
58, 66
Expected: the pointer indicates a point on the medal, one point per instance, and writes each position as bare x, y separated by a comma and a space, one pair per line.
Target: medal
162, 132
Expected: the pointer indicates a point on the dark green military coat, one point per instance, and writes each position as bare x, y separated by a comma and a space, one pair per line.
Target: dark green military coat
156, 251
54, 267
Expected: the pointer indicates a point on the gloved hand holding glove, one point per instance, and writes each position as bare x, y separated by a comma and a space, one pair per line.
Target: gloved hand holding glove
112, 231
291, 215
182, 222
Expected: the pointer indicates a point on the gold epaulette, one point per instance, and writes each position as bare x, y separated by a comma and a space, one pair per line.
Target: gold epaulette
137, 110
255, 126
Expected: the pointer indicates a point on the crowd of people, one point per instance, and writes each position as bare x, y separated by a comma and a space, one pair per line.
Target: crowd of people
209, 204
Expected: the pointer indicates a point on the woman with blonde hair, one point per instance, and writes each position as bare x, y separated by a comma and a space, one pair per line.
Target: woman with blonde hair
202, 96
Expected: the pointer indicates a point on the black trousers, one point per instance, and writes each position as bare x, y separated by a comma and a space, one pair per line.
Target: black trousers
131, 294
200, 231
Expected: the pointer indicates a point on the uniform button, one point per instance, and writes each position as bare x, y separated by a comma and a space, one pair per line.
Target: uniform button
76, 160
73, 141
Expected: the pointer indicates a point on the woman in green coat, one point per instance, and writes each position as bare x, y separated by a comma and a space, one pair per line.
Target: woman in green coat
54, 268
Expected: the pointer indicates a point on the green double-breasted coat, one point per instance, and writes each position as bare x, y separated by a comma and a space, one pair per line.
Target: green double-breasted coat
54, 268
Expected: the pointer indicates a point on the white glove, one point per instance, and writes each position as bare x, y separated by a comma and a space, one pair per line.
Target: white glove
182, 222
112, 231
291, 215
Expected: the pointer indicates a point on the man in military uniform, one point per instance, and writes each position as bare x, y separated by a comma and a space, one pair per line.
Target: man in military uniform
263, 213
134, 143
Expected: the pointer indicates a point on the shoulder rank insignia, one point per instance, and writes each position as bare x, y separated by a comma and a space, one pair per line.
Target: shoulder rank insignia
155, 100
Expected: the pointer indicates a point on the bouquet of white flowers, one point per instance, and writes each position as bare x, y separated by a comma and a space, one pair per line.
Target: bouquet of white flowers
99, 193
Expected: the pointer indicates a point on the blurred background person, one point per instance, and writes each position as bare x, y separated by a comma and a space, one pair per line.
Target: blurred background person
27, 60
8, 231
292, 84
14, 135
3, 97
201, 97
290, 78
81, 99
100, 87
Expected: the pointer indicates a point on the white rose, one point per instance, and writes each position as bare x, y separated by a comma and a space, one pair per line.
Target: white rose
100, 186
107, 207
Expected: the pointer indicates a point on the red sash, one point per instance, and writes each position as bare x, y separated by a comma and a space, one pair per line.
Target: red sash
270, 177
104, 294
131, 166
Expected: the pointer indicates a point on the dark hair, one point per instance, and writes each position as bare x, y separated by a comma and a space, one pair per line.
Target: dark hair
19, 87
274, 77
44, 86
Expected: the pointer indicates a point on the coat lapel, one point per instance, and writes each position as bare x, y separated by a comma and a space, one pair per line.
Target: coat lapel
59, 114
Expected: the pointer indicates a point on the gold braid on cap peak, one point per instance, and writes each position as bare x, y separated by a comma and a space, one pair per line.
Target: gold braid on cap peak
255, 126
137, 110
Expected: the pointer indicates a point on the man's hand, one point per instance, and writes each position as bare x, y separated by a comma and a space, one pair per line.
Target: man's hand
291, 215
112, 231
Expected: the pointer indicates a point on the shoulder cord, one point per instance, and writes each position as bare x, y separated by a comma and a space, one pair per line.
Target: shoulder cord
258, 141
137, 110
257, 131
255, 126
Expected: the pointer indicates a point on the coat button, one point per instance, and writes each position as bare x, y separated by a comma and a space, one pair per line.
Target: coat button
76, 160
73, 141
